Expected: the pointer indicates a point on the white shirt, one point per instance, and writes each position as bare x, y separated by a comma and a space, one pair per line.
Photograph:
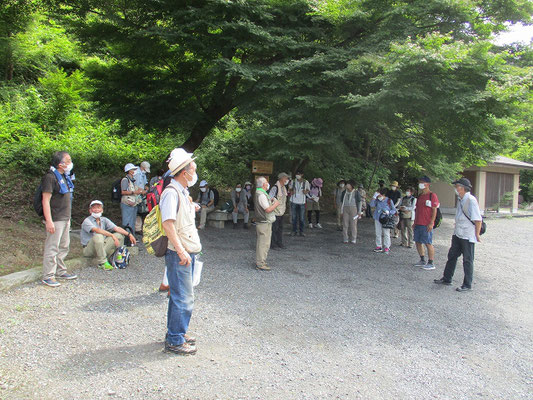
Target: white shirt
298, 196
169, 202
464, 229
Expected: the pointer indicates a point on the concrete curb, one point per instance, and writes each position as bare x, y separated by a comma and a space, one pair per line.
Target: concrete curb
15, 279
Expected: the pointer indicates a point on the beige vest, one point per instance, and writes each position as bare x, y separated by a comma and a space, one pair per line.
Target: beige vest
261, 215
130, 199
186, 227
281, 196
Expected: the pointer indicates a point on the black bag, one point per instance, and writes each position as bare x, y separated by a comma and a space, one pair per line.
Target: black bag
483, 224
116, 191
438, 218
387, 221
38, 200
216, 196
127, 241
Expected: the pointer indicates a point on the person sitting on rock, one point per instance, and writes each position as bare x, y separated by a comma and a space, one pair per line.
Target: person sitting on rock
100, 237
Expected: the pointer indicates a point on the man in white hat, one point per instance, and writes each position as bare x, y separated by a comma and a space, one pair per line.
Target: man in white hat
141, 182
178, 217
100, 237
206, 199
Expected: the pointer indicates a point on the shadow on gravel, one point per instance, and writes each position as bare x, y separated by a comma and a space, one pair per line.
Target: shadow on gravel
120, 305
106, 360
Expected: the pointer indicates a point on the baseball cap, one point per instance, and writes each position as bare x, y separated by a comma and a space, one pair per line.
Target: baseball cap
463, 182
95, 202
203, 183
129, 167
424, 178
282, 175
146, 166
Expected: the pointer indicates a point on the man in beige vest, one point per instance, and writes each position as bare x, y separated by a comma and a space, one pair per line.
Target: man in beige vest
178, 217
264, 215
279, 192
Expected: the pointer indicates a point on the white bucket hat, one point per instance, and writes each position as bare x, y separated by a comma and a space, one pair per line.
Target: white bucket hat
129, 167
178, 159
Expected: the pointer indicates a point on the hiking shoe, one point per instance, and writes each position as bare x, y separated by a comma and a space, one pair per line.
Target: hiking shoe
386, 251
345, 241
301, 234
310, 226
106, 266
184, 349
51, 282
353, 241
420, 264
189, 339
464, 289
441, 281
378, 250
318, 226
428, 267
262, 267
293, 233
164, 288
68, 276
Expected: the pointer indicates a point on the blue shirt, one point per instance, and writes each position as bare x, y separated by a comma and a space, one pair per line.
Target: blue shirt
140, 178
383, 205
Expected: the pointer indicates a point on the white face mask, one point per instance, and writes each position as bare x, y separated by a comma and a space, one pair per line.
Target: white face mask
380, 198
298, 177
456, 192
421, 186
203, 189
69, 167
238, 190
96, 215
268, 187
393, 188
192, 182
342, 185
408, 194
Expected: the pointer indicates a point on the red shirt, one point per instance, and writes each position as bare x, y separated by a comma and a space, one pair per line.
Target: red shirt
424, 212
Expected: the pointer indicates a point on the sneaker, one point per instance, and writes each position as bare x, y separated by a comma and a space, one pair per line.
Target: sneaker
318, 226
201, 227
262, 267
353, 241
302, 234
184, 349
293, 233
310, 226
68, 276
51, 282
378, 250
345, 241
188, 339
106, 266
420, 264
464, 289
386, 251
164, 288
441, 281
428, 267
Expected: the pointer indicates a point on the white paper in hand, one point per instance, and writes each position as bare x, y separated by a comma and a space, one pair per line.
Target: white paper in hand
197, 273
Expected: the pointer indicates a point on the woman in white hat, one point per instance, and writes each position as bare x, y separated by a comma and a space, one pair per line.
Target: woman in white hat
128, 202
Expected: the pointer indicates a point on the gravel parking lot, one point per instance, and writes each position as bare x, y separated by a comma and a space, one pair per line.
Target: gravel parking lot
329, 321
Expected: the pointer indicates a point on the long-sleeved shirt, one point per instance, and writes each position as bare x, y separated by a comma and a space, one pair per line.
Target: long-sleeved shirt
381, 206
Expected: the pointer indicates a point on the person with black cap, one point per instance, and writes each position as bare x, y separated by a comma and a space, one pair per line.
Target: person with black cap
426, 212
466, 234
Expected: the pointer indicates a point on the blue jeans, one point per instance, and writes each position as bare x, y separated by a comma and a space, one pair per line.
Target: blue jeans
181, 300
129, 214
298, 216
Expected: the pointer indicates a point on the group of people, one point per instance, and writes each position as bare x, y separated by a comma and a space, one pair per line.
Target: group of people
100, 236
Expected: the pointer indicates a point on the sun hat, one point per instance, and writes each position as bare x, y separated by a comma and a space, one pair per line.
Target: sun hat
129, 167
178, 160
146, 166
394, 183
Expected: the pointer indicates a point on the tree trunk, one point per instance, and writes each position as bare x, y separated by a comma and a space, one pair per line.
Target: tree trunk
9, 60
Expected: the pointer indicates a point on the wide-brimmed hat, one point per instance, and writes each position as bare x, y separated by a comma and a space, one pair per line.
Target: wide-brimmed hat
129, 167
394, 183
178, 160
317, 182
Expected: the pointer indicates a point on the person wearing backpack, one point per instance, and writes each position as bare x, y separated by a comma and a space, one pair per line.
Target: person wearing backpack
383, 206
206, 199
298, 188
129, 199
56, 188
178, 218
313, 202
467, 233
407, 216
426, 213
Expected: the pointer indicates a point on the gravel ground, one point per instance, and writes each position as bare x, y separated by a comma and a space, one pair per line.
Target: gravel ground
330, 321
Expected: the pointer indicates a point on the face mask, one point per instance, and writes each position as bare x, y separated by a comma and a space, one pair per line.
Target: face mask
408, 194
192, 182
421, 186
248, 187
96, 215
298, 176
203, 189
268, 187
393, 188
380, 198
238, 190
69, 167
342, 185
456, 192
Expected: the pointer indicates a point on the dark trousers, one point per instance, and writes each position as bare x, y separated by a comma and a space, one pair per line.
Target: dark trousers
277, 233
298, 216
466, 248
310, 215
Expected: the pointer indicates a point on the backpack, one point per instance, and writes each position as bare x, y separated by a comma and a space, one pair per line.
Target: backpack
120, 258
38, 200
116, 191
438, 218
154, 237
216, 196
154, 194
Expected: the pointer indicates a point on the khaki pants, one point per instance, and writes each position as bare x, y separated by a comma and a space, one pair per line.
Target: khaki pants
349, 225
406, 225
101, 247
203, 215
339, 216
56, 248
264, 236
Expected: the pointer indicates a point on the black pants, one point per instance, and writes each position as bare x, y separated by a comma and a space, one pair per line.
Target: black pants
310, 215
466, 248
277, 233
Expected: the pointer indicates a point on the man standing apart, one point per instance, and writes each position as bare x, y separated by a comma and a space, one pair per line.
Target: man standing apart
178, 217
467, 233
264, 215
279, 192
56, 188
206, 199
299, 188
426, 212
